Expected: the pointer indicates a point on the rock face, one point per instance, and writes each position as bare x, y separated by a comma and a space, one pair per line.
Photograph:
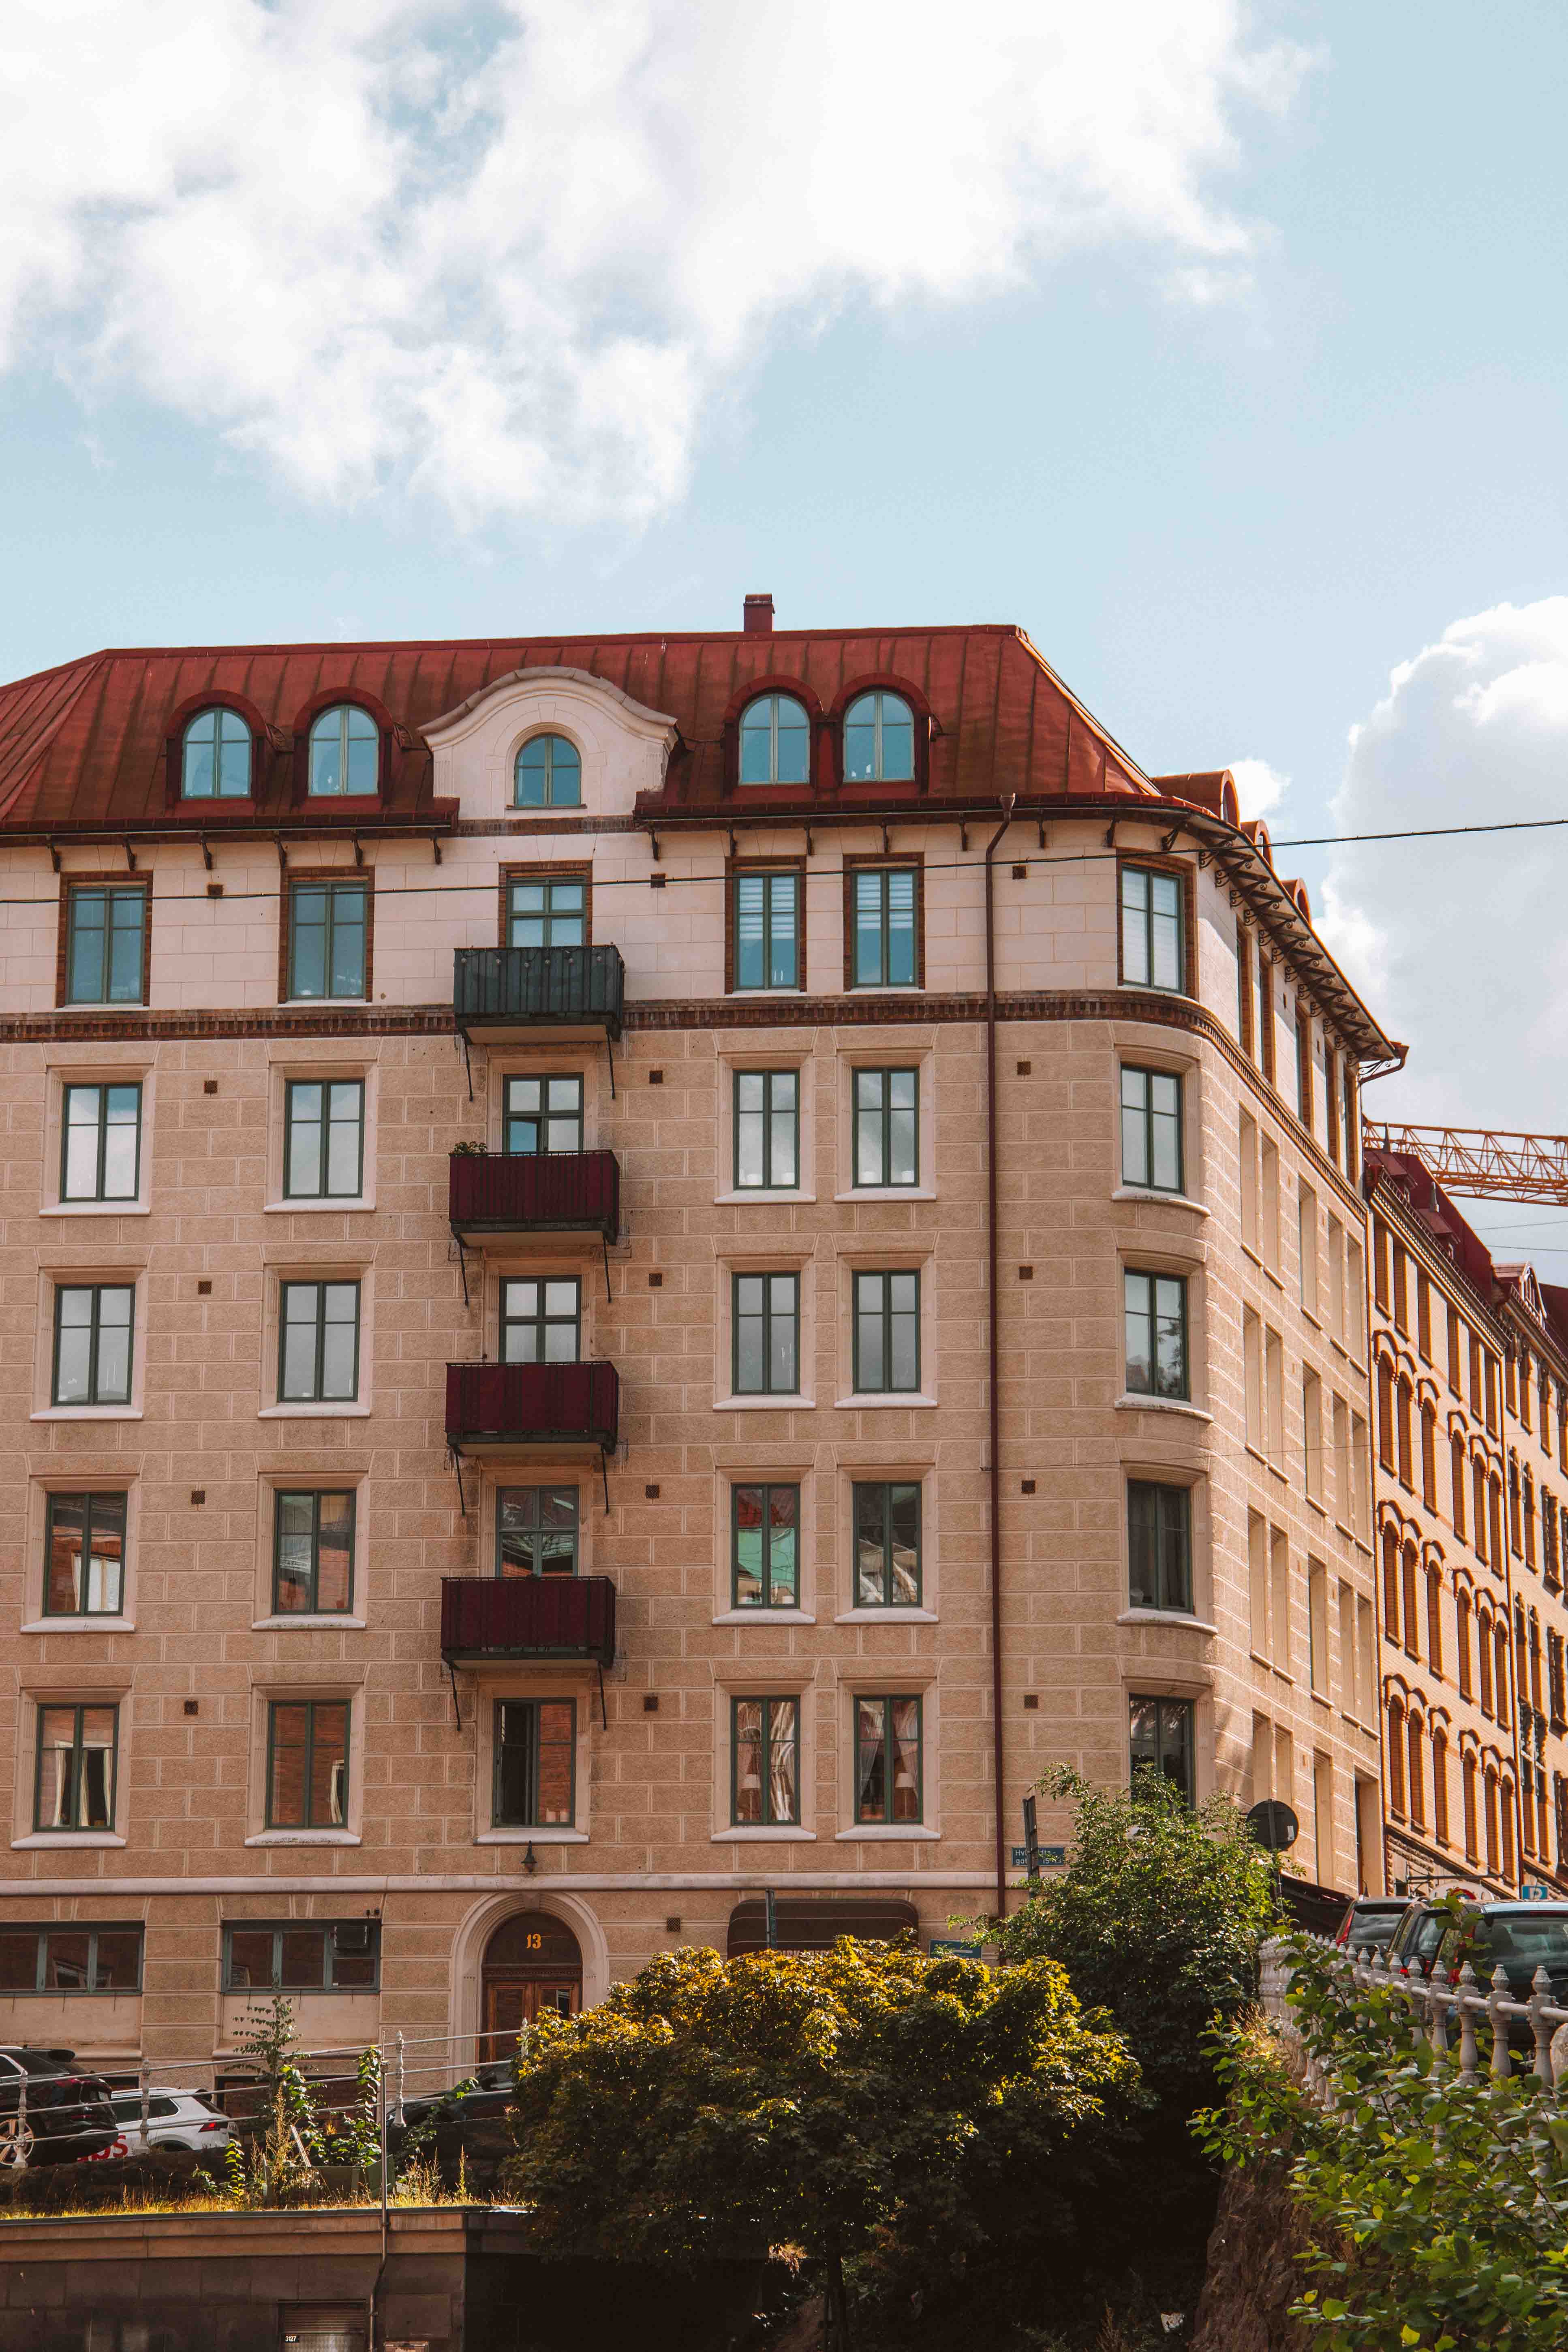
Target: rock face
1253, 2275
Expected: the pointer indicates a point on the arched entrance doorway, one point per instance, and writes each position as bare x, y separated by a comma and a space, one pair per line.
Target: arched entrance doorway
532, 1962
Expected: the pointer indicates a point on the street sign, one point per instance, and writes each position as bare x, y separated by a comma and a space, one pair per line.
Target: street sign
1052, 1857
1533, 1892
1274, 1825
945, 1944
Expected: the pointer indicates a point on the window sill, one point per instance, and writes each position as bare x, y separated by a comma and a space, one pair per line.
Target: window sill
889, 1193
764, 1617
59, 1840
304, 1208
551, 1836
780, 1836
765, 1404
888, 1617
313, 1412
317, 1003
88, 1413
1163, 1199
305, 1621
98, 1209
763, 1195
749, 994
83, 1624
880, 1832
885, 988
1165, 1617
304, 1837
1129, 1403
99, 1004
883, 1397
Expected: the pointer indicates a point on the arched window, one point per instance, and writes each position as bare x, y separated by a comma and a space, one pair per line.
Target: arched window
1496, 1498
1500, 1638
1417, 1778
215, 757
1469, 1770
1384, 1414
1484, 1648
1535, 1661
1520, 1657
1397, 1755
1390, 1584
1505, 1808
1412, 1618
1435, 1619
1479, 1486
1428, 1457
878, 739
1404, 1433
547, 774
345, 752
776, 741
1462, 1643
1491, 1821
1530, 1519
1440, 1786
1456, 1455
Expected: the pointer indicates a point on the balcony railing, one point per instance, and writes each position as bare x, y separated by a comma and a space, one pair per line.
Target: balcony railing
502, 1405
522, 989
528, 1617
539, 1192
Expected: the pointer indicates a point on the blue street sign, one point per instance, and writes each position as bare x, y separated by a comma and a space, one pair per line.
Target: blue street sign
1051, 1857
940, 1944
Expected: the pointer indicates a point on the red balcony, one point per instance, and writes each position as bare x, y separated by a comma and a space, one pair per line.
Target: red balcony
497, 1196
528, 1617
501, 1408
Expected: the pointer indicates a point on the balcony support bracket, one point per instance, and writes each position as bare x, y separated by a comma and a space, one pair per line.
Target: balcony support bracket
610, 1059
604, 1474
603, 1711
468, 1066
609, 1294
452, 1677
458, 1472
463, 1267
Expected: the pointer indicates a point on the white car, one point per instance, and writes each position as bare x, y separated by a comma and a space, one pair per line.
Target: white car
175, 2119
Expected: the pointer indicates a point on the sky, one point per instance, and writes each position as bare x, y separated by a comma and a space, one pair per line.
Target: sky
1223, 350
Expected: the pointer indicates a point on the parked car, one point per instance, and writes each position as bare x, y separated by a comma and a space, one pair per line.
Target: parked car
65, 2114
1371, 1920
1517, 1937
175, 2119
490, 2094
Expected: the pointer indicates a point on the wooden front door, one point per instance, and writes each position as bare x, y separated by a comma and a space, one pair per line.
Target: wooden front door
512, 2002
532, 1963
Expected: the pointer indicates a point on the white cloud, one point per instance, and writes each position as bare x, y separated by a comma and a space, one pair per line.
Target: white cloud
1259, 788
1460, 946
507, 253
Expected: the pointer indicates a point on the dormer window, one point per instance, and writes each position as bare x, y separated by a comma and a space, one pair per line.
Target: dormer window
345, 753
548, 774
878, 739
776, 741
215, 757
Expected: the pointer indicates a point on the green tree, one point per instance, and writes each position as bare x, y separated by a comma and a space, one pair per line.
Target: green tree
864, 2102
1438, 2207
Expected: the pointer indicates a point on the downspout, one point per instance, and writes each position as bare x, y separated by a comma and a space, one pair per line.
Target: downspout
994, 1352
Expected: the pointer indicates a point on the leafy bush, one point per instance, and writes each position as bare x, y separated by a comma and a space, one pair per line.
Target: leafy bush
1439, 2208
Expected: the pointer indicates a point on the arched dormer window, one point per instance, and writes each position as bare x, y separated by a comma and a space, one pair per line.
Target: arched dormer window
215, 757
547, 774
776, 741
878, 739
345, 753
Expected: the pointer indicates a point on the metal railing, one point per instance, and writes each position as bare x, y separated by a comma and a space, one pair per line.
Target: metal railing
555, 1191
1442, 2005
544, 987
531, 1403
528, 1617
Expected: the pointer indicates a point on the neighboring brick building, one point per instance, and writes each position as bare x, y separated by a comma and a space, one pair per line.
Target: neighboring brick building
499, 1233
1472, 1514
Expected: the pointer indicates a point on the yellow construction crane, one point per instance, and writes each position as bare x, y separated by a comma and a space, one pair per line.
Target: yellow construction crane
1482, 1163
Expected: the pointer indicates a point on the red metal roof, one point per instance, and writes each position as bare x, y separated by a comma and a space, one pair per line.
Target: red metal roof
85, 744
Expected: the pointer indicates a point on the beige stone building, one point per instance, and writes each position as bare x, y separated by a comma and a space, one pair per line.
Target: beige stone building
1471, 1371
521, 1161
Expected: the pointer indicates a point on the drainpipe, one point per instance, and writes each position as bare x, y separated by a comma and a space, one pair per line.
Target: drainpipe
993, 1304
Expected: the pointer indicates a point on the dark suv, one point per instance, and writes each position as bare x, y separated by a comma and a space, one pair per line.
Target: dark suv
1517, 1937
65, 2114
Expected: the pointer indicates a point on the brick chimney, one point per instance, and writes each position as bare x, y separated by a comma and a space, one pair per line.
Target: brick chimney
757, 620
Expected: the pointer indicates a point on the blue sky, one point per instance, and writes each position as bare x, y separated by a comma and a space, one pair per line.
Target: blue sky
1290, 408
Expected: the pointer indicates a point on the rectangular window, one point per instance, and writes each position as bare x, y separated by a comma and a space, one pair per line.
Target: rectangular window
327, 929
1280, 1632
1361, 1496
1344, 1499
1250, 1214
93, 1328
77, 1749
541, 1322
323, 1139
1153, 930
1353, 1128
765, 1312
1152, 1129
1318, 1627
1331, 1101
1312, 1425
1158, 1546
767, 1130
546, 914
1155, 1308
886, 1127
1401, 1290
1273, 1371
106, 939
1336, 1281
1456, 1353
313, 1553
764, 1763
887, 1546
536, 1531
1307, 1245
318, 1342
1244, 1023
767, 919
765, 1547
887, 1333
1323, 1818
1304, 1066
1355, 1300
1257, 1582
1366, 1659
1270, 1217
886, 951
536, 1763
1266, 1014
301, 1955
84, 1556
542, 1115
101, 1143
69, 1960
1351, 1695
888, 1777
1160, 1737
1423, 1313
307, 1764
1252, 1366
